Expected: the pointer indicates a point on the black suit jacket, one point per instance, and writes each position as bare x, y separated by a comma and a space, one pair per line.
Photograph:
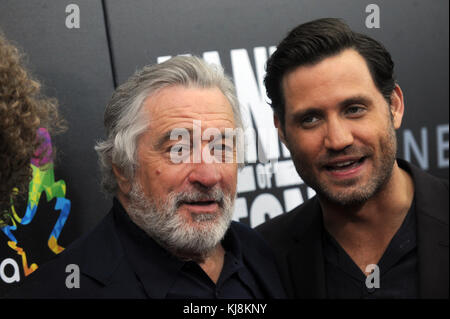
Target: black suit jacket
296, 238
105, 271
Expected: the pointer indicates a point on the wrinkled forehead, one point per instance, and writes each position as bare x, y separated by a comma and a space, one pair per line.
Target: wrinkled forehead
180, 107
188, 108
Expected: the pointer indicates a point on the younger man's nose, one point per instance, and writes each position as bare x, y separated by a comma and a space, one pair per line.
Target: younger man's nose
338, 136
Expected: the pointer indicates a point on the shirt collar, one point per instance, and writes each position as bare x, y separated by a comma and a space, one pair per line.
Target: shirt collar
403, 241
232, 245
156, 268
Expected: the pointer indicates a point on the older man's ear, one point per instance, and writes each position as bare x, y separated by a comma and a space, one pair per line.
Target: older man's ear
123, 182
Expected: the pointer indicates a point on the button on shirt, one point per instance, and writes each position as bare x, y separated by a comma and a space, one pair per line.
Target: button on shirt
397, 267
164, 276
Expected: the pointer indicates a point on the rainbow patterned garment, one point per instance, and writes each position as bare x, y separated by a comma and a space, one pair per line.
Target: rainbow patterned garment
43, 181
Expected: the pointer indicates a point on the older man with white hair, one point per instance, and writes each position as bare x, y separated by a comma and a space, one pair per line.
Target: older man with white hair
171, 164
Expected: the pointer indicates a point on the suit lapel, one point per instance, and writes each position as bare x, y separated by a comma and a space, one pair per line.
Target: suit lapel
432, 245
431, 198
102, 252
305, 258
432, 241
263, 269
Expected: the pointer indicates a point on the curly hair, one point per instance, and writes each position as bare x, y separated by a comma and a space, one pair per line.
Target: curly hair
23, 109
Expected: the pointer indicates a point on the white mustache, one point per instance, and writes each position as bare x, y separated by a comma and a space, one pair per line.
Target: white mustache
215, 195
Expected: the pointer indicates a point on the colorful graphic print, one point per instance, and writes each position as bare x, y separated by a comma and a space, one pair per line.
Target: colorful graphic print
43, 181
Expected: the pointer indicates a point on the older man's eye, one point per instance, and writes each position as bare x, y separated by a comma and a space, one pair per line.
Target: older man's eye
221, 151
179, 152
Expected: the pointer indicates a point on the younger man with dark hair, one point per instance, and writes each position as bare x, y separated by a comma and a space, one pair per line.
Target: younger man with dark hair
337, 106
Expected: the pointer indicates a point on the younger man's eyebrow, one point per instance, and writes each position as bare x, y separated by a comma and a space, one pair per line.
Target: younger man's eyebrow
298, 116
357, 99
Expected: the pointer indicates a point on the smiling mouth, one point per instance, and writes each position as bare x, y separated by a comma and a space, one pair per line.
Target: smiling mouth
345, 165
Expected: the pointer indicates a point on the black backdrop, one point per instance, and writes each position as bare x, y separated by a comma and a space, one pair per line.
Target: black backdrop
81, 66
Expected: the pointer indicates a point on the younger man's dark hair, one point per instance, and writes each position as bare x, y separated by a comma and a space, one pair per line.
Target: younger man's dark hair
311, 42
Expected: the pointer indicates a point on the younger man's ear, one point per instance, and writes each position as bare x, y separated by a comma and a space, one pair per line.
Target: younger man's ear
397, 106
277, 123
123, 182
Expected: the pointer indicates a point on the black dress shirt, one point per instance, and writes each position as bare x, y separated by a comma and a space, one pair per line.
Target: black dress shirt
397, 267
179, 279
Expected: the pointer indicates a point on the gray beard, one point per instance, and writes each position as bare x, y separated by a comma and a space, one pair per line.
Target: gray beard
161, 221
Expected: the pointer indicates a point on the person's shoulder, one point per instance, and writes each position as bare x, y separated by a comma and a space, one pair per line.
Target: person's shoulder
430, 192
49, 280
289, 220
249, 238
437, 185
426, 185
244, 232
53, 278
282, 221
441, 183
281, 230
423, 178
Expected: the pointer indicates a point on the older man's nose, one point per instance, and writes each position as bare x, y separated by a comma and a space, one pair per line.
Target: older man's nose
205, 174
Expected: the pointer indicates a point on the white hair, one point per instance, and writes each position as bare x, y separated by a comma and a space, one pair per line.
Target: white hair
123, 118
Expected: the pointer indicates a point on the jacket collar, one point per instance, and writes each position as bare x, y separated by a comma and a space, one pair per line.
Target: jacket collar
156, 269
101, 252
307, 268
120, 240
432, 206
259, 262
305, 258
